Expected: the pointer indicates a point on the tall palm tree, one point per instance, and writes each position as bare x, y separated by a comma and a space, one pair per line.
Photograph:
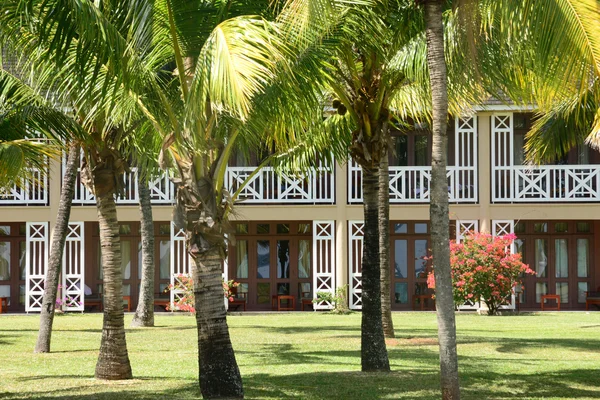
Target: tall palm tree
197, 110
439, 210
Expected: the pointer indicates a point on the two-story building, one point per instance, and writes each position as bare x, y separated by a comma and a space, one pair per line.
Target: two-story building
300, 235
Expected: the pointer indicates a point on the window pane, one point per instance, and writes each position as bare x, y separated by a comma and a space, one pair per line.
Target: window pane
263, 293
582, 258
242, 259
241, 228
401, 259
164, 229
420, 228
263, 252
304, 290
582, 287
561, 227
283, 259
164, 250
401, 150
140, 256
420, 264
4, 230
126, 290
5, 291
540, 289
125, 229
520, 227
242, 291
126, 259
583, 227
561, 262
283, 288
541, 227
262, 228
520, 248
283, 228
421, 150
304, 259
22, 295
4, 261
518, 148
541, 260
22, 260
400, 228
303, 228
401, 293
562, 289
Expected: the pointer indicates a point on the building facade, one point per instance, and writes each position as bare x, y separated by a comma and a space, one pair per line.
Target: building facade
301, 235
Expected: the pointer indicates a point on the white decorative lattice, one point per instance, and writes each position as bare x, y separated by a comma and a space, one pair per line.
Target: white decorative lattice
355, 248
36, 261
180, 263
503, 227
463, 227
323, 261
73, 275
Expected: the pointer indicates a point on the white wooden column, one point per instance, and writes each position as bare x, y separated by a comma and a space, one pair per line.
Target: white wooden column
73, 275
355, 248
323, 261
36, 261
180, 263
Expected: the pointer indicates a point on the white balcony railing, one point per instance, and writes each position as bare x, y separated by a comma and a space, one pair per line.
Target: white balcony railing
269, 187
412, 184
546, 183
29, 192
162, 190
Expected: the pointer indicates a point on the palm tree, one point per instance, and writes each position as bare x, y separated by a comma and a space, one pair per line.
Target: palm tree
439, 214
144, 313
27, 111
197, 110
384, 248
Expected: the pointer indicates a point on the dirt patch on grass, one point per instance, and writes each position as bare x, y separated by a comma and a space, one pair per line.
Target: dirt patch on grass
413, 341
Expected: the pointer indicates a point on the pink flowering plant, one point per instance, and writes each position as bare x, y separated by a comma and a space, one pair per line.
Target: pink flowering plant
185, 286
484, 268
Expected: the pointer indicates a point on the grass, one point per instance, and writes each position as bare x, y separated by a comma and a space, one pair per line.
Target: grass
313, 356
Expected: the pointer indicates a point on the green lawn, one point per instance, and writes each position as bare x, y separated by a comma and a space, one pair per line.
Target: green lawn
313, 356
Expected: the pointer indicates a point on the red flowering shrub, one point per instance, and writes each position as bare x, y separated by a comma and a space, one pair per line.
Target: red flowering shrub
483, 268
186, 287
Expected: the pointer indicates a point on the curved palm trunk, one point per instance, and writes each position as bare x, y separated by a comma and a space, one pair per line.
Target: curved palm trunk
113, 360
384, 246
144, 313
440, 231
219, 373
373, 353
59, 236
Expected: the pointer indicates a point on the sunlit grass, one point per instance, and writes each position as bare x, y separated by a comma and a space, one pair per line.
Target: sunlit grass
313, 356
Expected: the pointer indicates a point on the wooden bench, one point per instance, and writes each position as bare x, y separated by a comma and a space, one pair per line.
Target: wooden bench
592, 298
555, 297
3, 300
277, 299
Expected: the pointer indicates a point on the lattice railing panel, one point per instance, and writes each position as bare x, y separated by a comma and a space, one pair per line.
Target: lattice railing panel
36, 261
323, 261
73, 268
355, 248
179, 263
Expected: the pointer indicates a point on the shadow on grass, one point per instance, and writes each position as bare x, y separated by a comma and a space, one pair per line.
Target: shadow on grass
412, 383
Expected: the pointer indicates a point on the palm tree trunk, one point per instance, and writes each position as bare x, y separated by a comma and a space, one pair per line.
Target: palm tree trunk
219, 373
440, 230
59, 237
144, 313
373, 353
113, 360
384, 245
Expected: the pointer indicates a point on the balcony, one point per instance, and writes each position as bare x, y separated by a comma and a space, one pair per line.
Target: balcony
29, 192
266, 186
546, 183
162, 191
412, 184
